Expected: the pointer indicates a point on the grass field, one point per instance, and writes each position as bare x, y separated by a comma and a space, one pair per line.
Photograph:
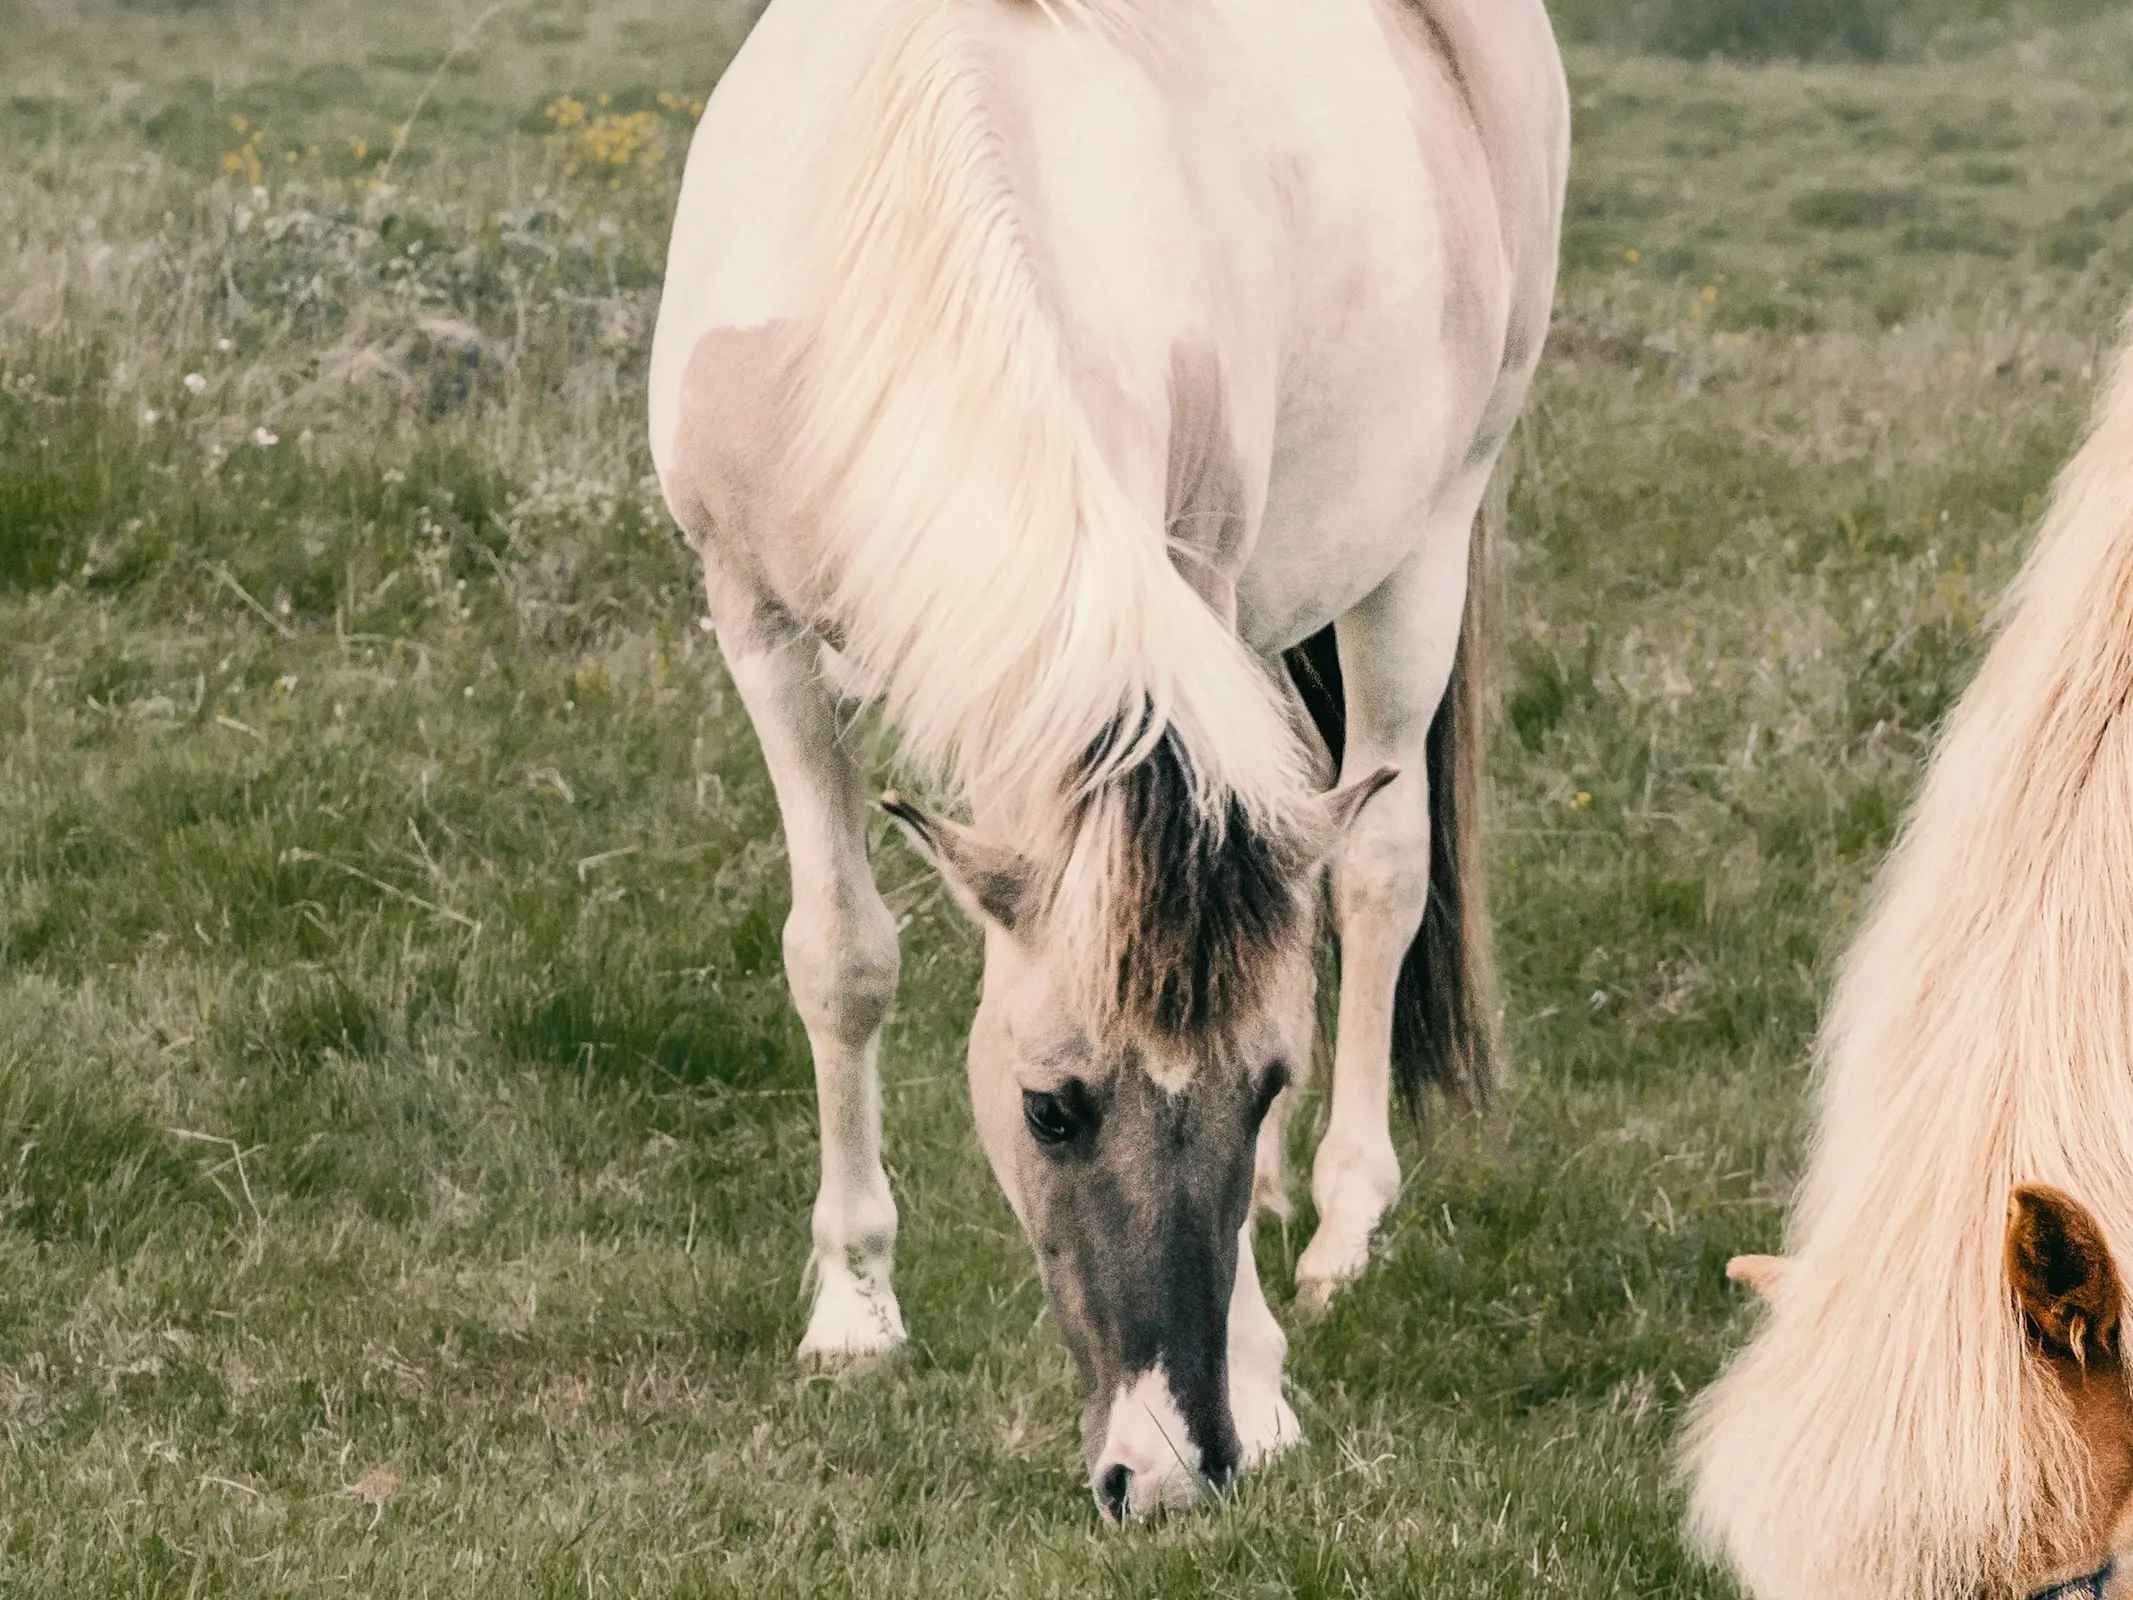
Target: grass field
405, 1145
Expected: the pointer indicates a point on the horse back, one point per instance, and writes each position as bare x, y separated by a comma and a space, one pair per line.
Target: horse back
1294, 252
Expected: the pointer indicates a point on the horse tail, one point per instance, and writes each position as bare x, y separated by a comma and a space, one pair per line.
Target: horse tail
1887, 1431
1441, 1010
1441, 1034
990, 578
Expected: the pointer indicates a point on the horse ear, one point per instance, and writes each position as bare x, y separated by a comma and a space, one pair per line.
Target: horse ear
1346, 803
2063, 1276
990, 882
1764, 1274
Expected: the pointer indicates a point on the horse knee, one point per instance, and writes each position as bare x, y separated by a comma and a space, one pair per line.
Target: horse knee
841, 964
1383, 874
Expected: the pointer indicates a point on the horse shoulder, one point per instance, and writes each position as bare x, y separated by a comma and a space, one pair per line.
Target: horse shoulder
726, 477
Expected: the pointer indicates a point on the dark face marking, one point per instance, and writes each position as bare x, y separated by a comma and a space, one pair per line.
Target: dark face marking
1134, 1198
1122, 1114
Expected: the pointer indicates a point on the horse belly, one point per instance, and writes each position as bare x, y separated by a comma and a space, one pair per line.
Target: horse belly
1280, 271
1355, 487
1411, 335
1387, 422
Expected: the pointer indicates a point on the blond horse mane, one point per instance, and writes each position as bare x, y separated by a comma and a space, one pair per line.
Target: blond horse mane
991, 580
1886, 1433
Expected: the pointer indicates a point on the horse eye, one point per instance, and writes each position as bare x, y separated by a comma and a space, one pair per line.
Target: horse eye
1047, 1118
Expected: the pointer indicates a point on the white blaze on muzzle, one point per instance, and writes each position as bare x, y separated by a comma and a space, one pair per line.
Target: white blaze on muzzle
1148, 1462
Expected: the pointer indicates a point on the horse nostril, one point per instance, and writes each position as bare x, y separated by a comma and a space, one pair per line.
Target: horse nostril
1112, 1489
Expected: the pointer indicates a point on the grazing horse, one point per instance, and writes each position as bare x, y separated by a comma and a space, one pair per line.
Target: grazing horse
1907, 1423
1045, 371
2067, 1290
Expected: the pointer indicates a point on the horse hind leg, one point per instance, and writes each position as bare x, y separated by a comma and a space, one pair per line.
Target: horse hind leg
841, 962
1396, 655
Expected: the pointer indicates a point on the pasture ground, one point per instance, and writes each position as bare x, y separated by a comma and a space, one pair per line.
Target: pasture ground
405, 1147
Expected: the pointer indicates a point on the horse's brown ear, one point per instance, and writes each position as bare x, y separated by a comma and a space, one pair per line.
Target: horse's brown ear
990, 882
2063, 1276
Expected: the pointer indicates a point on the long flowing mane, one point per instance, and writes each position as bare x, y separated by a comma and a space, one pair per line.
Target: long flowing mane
1886, 1433
991, 579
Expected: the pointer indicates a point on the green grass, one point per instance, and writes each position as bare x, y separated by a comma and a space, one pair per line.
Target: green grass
405, 1144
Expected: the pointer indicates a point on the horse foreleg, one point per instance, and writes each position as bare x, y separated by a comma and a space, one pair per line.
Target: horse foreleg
1257, 1352
1270, 1166
840, 965
1396, 651
1379, 895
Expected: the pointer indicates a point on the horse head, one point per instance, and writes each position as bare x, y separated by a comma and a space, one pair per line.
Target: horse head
1128, 1047
2066, 1288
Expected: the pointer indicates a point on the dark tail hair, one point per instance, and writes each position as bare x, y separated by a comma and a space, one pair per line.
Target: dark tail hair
1441, 1011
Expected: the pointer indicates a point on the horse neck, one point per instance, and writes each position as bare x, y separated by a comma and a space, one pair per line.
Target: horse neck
993, 581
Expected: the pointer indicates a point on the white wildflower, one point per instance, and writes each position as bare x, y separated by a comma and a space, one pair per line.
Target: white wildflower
195, 383
265, 437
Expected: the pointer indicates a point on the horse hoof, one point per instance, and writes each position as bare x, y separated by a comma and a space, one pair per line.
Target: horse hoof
852, 1353
854, 1327
1266, 1425
1328, 1264
847, 1363
1314, 1295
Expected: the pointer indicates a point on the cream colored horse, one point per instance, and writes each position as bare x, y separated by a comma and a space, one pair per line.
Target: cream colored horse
1045, 370
2065, 1286
1906, 1423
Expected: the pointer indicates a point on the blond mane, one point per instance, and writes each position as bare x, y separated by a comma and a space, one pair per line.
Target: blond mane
990, 578
1886, 1433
